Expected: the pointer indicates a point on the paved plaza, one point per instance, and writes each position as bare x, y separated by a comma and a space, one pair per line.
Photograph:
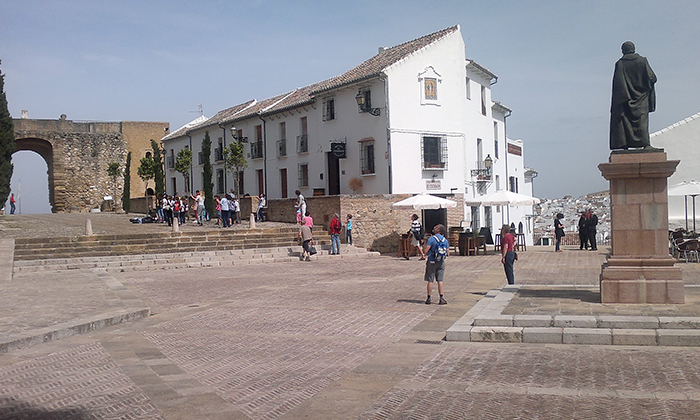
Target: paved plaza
327, 339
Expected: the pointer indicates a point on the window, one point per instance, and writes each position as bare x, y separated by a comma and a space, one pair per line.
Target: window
282, 142
328, 109
498, 183
219, 181
219, 151
174, 184
200, 158
170, 161
303, 175
303, 139
513, 184
434, 152
495, 139
483, 100
367, 157
469, 89
256, 148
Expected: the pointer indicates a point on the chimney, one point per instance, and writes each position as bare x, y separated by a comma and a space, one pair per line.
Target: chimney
382, 49
25, 114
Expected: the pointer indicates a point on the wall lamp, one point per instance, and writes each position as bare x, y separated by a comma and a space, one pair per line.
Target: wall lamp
234, 135
363, 103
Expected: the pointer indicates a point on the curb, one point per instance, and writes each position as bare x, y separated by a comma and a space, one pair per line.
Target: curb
485, 323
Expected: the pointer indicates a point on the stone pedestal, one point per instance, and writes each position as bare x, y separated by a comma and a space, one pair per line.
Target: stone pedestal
640, 269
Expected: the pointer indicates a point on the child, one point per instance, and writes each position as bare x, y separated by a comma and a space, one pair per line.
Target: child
348, 230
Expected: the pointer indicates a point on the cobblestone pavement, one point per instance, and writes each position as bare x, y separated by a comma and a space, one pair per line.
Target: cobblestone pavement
346, 339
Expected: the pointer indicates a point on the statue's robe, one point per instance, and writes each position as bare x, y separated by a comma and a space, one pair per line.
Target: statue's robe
633, 98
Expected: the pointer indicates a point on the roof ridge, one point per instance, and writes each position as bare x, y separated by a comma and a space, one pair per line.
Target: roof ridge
674, 125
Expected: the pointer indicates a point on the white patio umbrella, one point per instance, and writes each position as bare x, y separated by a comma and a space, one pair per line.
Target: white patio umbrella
424, 201
503, 198
685, 189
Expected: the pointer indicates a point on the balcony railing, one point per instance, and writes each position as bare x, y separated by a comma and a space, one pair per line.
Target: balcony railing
303, 143
281, 147
256, 150
482, 173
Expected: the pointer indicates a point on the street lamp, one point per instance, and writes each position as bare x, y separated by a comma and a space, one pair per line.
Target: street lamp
234, 135
363, 104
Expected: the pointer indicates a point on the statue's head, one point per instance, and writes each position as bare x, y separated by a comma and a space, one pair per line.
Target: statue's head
628, 47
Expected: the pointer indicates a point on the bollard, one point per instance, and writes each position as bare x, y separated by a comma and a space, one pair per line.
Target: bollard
176, 226
88, 227
252, 220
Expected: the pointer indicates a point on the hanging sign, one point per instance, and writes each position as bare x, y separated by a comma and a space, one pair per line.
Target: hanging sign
338, 150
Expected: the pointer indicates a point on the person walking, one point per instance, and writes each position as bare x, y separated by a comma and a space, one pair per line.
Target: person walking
262, 202
558, 231
592, 226
583, 231
348, 230
225, 211
300, 206
335, 235
306, 238
437, 248
12, 203
416, 233
508, 255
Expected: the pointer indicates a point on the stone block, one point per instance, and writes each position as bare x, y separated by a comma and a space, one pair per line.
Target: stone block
628, 322
634, 337
679, 322
575, 321
494, 321
497, 334
458, 333
600, 336
552, 335
532, 321
685, 338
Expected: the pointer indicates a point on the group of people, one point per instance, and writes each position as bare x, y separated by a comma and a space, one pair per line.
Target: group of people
228, 210
587, 229
306, 233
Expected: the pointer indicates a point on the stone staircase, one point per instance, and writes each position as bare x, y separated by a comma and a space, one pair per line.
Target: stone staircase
136, 252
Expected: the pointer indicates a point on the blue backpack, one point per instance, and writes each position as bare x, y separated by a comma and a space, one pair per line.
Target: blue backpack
441, 251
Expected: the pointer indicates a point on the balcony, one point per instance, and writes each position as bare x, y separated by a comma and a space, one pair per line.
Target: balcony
281, 148
303, 143
256, 150
482, 173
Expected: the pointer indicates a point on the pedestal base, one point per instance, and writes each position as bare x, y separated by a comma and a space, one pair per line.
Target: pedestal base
641, 280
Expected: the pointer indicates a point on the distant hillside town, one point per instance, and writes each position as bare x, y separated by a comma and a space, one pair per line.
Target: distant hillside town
572, 208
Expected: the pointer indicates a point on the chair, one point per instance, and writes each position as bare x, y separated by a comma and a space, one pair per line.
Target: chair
453, 238
688, 250
480, 245
520, 244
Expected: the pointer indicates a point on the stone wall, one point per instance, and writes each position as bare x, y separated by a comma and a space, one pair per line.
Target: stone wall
376, 225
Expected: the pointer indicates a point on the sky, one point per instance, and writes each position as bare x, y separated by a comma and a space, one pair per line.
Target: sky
160, 60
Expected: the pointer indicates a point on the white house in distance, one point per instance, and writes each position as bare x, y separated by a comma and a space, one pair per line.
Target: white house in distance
416, 117
679, 141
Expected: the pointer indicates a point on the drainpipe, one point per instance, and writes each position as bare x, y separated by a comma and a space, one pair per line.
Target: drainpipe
264, 154
223, 146
385, 80
189, 187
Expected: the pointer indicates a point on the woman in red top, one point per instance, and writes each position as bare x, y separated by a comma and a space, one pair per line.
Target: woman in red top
335, 235
508, 252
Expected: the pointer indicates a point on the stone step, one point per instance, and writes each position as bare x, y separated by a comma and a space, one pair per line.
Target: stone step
144, 262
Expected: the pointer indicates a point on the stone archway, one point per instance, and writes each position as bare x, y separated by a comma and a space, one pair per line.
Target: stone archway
45, 150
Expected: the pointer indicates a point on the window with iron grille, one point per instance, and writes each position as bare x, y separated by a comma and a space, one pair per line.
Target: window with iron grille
281, 147
219, 154
303, 143
329, 109
303, 175
434, 152
256, 150
200, 157
513, 184
367, 157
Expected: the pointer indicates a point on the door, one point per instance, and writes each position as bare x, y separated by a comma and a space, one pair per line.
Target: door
283, 182
333, 174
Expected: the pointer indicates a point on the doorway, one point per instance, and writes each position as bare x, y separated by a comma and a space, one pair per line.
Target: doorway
333, 174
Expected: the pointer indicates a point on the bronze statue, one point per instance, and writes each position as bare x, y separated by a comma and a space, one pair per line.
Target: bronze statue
633, 98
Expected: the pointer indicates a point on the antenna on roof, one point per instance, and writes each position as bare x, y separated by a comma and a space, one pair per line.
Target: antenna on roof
201, 110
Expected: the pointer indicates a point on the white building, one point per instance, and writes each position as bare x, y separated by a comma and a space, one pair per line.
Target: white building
416, 117
679, 141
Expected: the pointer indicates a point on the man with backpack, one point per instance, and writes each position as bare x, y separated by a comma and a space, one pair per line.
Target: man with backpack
437, 249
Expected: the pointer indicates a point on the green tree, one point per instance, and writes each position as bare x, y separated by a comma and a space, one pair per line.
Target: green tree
146, 171
7, 144
208, 175
183, 163
114, 171
234, 160
158, 171
126, 195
